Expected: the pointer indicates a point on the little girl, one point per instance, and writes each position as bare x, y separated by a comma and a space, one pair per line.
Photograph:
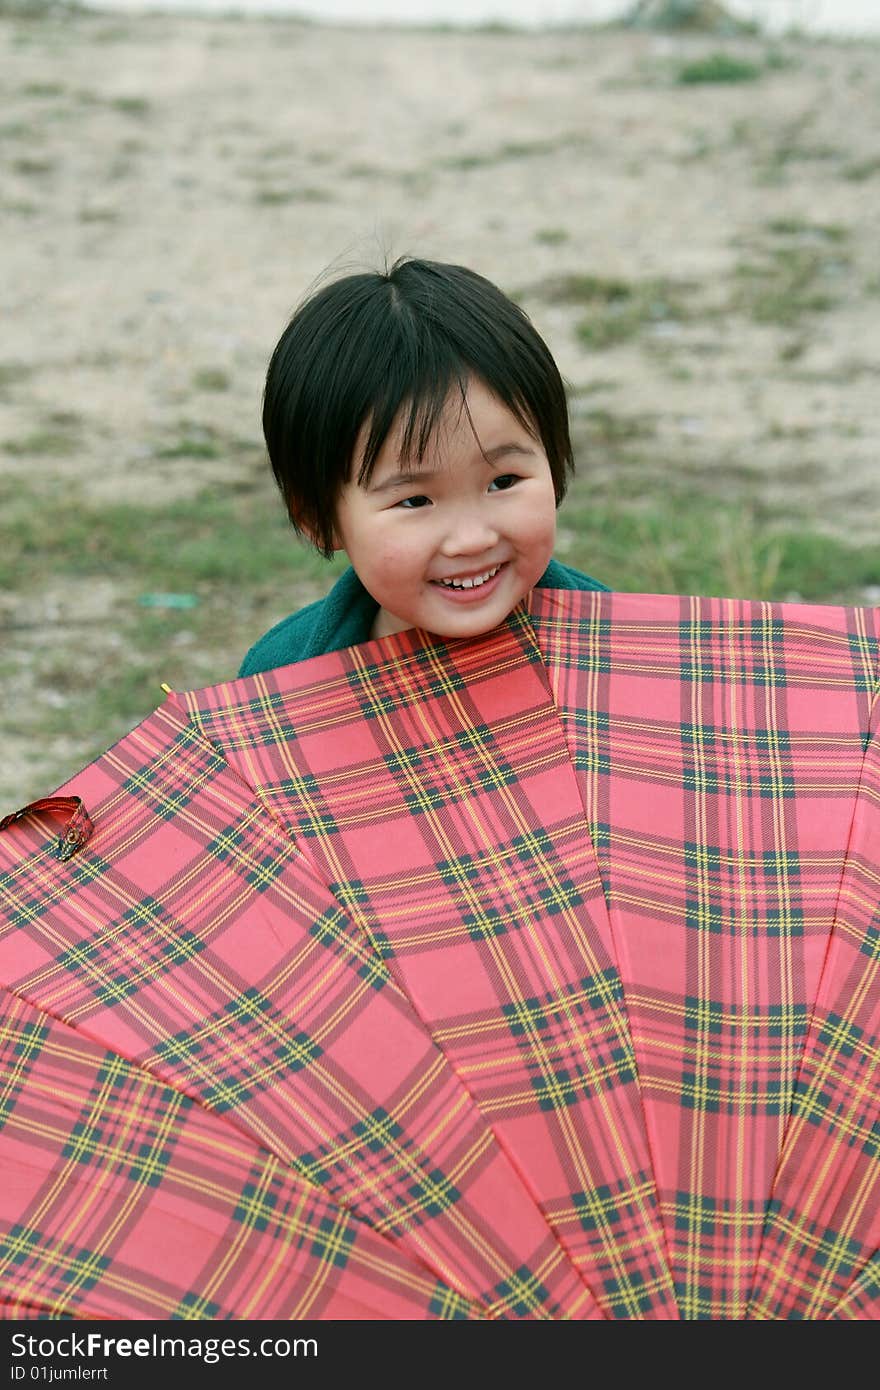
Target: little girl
417, 421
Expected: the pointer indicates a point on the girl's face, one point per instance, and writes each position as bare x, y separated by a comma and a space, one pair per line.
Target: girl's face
452, 544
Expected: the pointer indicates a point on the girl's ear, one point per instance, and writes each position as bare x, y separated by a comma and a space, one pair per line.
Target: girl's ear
308, 531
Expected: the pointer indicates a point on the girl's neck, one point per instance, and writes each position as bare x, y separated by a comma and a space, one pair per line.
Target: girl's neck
385, 623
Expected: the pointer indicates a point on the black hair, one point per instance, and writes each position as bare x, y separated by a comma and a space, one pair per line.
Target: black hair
363, 347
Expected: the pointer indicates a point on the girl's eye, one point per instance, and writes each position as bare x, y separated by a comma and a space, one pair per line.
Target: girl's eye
410, 502
504, 481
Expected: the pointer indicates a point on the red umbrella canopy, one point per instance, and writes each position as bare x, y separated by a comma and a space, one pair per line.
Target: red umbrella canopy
527, 976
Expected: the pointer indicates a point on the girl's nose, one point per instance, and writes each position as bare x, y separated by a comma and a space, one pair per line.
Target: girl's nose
469, 533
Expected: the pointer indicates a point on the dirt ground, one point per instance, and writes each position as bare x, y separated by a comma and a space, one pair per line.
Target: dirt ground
171, 187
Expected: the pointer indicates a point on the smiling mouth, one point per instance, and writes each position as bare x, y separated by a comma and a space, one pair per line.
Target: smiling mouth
474, 581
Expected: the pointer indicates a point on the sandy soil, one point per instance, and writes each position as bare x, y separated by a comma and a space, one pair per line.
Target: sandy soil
171, 187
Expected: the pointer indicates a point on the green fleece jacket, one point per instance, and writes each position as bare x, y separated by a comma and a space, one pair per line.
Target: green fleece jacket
345, 617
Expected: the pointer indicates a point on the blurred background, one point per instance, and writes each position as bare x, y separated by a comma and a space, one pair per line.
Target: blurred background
683, 196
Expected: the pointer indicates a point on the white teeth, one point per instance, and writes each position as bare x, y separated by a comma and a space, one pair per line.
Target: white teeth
469, 583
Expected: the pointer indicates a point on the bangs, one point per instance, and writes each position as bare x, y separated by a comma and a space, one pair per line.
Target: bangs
418, 407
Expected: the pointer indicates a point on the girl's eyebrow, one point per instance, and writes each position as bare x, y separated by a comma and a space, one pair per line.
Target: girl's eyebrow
501, 449
406, 476
403, 479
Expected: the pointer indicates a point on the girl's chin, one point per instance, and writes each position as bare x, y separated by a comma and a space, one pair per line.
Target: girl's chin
452, 612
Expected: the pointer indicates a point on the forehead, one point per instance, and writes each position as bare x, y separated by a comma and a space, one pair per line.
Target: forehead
471, 422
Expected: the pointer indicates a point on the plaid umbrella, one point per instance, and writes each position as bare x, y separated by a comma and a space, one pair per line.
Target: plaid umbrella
528, 976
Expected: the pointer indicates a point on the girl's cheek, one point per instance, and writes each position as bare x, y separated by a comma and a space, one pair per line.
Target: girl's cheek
392, 553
